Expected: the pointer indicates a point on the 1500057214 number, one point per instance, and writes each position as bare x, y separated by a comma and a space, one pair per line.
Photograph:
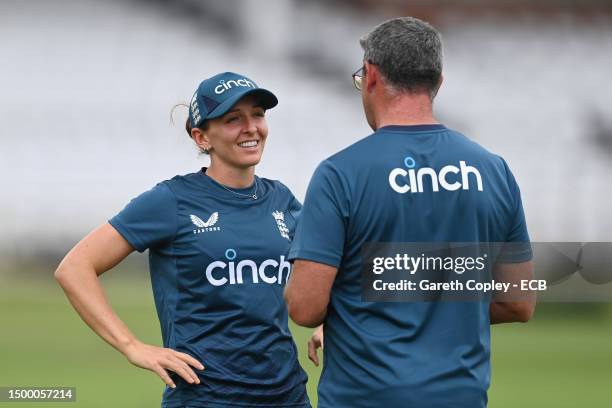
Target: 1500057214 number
40, 394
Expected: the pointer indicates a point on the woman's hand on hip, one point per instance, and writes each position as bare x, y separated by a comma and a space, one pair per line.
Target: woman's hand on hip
161, 360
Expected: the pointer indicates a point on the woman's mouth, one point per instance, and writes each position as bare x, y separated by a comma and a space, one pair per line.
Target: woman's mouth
249, 144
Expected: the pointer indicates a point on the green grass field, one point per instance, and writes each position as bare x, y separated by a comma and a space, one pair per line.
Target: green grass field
562, 358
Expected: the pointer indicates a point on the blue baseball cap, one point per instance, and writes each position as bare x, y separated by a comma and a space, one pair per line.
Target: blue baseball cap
216, 95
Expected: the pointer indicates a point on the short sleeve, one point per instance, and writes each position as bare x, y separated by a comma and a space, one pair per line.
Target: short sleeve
295, 208
518, 248
292, 210
321, 231
149, 220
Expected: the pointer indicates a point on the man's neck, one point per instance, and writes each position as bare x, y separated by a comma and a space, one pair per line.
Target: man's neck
411, 109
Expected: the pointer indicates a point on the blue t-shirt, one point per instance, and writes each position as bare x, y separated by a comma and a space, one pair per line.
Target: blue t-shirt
419, 354
218, 264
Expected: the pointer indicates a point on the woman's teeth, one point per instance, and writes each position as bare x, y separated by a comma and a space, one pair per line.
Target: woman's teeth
250, 143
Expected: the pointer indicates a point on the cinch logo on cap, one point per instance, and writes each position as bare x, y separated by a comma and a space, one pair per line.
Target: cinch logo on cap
223, 85
216, 95
403, 181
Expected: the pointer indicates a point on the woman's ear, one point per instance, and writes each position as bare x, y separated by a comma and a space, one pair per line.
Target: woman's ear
201, 139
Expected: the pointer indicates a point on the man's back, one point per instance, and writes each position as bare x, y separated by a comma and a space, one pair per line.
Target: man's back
422, 183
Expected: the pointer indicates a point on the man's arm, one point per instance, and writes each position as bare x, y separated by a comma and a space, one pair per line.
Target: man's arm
516, 305
308, 290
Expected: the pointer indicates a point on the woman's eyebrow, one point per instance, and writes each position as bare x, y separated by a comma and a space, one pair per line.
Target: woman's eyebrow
238, 110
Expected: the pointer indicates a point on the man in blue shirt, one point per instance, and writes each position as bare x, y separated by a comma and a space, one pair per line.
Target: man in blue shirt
412, 180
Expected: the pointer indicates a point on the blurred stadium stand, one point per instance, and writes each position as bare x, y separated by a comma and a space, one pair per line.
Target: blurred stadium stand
87, 88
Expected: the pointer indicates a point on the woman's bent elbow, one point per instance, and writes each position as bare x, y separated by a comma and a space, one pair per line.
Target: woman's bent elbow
63, 273
60, 274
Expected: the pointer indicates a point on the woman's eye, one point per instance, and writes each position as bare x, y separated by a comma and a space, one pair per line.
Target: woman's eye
260, 114
232, 119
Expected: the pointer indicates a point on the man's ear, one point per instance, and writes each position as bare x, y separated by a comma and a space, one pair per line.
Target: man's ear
372, 75
200, 138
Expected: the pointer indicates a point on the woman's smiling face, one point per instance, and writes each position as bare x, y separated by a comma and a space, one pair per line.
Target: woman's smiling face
237, 138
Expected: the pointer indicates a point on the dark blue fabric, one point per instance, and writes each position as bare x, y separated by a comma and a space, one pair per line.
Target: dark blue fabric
405, 354
218, 268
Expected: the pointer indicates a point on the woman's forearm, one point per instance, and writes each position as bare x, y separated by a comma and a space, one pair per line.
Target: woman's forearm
82, 287
78, 274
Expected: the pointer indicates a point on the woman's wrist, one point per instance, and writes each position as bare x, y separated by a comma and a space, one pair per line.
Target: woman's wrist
126, 346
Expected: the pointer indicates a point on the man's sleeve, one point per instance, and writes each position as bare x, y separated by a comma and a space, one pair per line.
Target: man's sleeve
518, 246
149, 220
320, 235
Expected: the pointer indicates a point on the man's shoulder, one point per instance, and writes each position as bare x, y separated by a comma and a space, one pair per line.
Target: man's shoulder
475, 148
369, 145
375, 148
353, 153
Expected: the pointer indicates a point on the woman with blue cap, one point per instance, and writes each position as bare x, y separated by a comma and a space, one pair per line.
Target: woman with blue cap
218, 241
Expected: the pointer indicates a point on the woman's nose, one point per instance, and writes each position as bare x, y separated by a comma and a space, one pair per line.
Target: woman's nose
249, 126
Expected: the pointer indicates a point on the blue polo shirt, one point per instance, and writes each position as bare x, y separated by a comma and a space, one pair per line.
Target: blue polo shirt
218, 263
423, 183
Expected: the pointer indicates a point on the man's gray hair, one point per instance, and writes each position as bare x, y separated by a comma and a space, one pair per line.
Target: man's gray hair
408, 52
